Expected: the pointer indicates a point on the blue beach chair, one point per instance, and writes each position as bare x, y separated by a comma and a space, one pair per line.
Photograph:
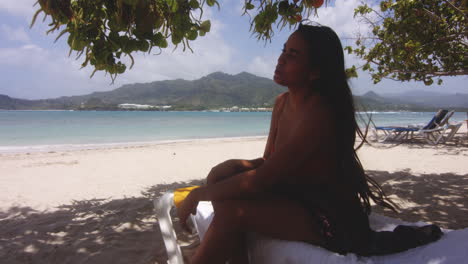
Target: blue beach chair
432, 132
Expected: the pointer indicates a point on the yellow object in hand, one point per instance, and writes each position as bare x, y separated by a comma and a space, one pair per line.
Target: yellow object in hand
181, 193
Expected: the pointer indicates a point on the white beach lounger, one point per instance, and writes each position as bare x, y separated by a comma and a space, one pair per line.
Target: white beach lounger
452, 248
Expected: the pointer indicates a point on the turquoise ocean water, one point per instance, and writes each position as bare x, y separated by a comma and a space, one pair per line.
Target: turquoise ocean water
22, 131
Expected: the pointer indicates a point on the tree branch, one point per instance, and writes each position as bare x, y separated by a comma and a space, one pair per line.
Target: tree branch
434, 74
456, 8
447, 38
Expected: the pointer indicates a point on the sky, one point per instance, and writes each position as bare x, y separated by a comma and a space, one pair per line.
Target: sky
32, 66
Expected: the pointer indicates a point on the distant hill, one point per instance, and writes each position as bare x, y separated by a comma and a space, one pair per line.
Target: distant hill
215, 90
373, 102
431, 99
9, 103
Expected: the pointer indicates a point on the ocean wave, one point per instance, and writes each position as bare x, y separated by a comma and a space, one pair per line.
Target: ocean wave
378, 112
73, 147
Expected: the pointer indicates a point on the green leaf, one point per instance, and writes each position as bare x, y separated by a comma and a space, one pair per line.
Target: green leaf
143, 45
205, 26
176, 38
210, 2
163, 44
428, 81
283, 8
192, 35
351, 72
173, 5
194, 4
157, 39
349, 49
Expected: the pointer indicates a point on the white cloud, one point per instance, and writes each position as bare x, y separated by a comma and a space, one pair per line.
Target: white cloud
263, 66
21, 56
50, 73
237, 7
211, 53
340, 17
15, 34
21, 8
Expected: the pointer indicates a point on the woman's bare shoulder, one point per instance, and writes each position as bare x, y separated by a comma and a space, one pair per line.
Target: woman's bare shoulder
319, 112
281, 98
279, 102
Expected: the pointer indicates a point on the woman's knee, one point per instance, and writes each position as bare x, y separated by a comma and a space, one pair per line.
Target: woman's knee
230, 213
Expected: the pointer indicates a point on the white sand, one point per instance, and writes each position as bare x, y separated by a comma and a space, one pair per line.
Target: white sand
94, 206
44, 180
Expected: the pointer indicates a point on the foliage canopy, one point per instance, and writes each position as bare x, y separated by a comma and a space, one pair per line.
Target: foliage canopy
105, 30
409, 39
414, 40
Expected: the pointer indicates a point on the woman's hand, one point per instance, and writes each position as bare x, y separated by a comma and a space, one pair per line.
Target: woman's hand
188, 206
230, 168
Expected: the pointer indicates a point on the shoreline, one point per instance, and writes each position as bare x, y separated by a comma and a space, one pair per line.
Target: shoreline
23, 149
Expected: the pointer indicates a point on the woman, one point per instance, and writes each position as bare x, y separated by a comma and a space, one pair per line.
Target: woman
310, 185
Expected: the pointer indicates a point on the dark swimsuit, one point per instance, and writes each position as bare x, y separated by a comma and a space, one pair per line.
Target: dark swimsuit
344, 226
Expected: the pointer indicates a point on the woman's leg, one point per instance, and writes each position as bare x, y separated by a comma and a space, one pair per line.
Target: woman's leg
276, 217
240, 253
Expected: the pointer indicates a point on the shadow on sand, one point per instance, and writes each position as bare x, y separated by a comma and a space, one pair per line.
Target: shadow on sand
89, 231
436, 198
126, 230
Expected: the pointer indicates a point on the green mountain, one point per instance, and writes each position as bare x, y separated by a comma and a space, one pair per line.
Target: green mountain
371, 101
216, 90
212, 91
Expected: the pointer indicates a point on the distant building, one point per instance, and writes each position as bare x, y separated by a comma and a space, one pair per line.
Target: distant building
144, 107
243, 109
264, 109
136, 106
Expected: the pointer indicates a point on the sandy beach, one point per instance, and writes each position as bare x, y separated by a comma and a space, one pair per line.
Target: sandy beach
95, 206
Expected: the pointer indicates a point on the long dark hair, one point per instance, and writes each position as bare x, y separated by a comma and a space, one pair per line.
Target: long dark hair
326, 56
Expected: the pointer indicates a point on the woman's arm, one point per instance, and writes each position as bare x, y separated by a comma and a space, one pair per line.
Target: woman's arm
279, 103
311, 138
230, 168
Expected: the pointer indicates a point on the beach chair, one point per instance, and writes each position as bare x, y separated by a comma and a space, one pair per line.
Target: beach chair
450, 249
453, 129
442, 132
163, 206
432, 132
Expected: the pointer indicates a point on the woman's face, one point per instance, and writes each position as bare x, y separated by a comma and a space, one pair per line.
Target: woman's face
293, 68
